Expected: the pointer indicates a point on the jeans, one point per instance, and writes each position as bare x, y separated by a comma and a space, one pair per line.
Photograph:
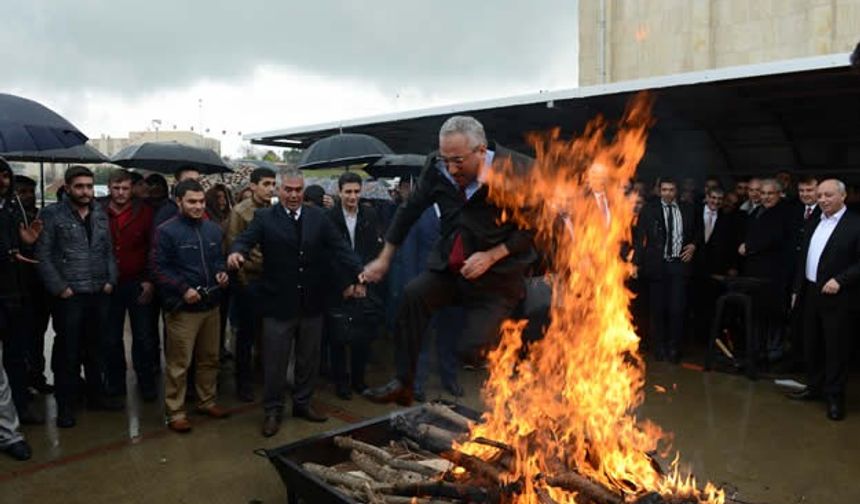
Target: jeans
144, 341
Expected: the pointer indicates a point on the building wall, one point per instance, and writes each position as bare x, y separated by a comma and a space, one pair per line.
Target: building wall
646, 38
110, 146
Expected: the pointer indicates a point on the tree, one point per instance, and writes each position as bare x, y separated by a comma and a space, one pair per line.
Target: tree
271, 156
292, 156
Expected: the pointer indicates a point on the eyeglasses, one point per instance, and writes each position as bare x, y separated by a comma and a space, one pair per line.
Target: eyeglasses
457, 160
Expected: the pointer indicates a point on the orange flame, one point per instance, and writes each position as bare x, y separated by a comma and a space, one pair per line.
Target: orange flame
570, 403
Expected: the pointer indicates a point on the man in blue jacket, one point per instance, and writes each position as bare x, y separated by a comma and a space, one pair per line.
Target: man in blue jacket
303, 254
188, 266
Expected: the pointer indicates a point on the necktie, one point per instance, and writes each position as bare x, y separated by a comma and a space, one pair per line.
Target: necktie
458, 253
670, 231
808, 213
709, 225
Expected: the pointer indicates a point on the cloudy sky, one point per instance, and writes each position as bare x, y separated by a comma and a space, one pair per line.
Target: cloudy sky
111, 66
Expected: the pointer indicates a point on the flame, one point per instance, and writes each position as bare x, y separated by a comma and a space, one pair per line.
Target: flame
570, 403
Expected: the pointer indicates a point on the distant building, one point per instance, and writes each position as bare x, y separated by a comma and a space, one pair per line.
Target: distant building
110, 146
622, 40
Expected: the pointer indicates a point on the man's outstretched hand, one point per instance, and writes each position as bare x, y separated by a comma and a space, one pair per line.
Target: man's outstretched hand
235, 261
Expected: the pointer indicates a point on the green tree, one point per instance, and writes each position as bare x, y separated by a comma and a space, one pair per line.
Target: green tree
271, 157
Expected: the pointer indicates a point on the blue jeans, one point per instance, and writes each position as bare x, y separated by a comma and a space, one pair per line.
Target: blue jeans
144, 341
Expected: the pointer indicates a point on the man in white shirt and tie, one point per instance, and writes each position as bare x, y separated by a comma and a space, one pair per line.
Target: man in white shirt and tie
829, 279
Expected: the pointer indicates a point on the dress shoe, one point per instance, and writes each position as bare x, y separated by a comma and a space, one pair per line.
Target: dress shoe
180, 425
804, 395
454, 388
835, 409
43, 387
343, 392
66, 418
359, 388
309, 414
271, 425
393, 391
419, 395
113, 403
19, 450
214, 411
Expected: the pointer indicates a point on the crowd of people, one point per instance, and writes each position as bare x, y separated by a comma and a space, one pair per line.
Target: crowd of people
305, 275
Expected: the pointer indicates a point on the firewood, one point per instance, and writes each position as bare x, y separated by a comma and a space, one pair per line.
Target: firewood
474, 465
495, 444
650, 498
380, 472
335, 477
445, 490
383, 456
430, 437
544, 497
445, 412
574, 482
436, 435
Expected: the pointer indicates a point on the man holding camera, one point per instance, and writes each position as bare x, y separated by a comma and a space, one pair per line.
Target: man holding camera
188, 266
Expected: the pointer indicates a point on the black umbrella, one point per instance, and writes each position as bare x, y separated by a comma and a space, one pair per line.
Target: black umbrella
397, 165
344, 149
167, 157
29, 126
81, 154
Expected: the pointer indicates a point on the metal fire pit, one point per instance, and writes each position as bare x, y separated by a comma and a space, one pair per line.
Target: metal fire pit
320, 449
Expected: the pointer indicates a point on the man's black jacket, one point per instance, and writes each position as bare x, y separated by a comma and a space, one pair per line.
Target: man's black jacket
298, 266
478, 220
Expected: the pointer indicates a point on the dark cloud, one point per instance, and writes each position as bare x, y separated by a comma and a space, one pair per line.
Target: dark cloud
136, 47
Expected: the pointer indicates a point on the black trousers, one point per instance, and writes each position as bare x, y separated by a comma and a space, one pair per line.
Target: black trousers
250, 324
15, 335
485, 310
828, 327
667, 296
81, 323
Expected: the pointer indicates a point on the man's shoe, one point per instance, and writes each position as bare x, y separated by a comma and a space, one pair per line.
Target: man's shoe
309, 414
835, 409
66, 420
393, 391
343, 392
43, 387
180, 425
19, 450
804, 395
271, 425
113, 403
245, 394
359, 388
214, 411
419, 395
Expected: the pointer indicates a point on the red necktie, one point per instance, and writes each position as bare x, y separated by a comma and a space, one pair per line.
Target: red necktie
808, 213
458, 254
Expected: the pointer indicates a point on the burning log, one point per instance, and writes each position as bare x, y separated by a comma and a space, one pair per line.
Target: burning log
449, 415
474, 465
382, 455
495, 444
544, 496
574, 482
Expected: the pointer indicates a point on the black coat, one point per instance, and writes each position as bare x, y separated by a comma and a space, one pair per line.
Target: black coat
649, 242
478, 220
720, 253
769, 247
840, 260
298, 270
368, 244
11, 271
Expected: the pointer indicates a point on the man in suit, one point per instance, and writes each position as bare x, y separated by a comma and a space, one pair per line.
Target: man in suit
767, 250
717, 256
479, 261
354, 320
829, 279
663, 252
302, 252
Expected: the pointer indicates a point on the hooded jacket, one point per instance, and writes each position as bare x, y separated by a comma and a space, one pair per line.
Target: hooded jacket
11, 217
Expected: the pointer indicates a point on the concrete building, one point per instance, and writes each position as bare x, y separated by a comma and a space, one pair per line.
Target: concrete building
110, 146
622, 40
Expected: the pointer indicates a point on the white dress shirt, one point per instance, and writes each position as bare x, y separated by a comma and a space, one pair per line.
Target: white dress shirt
818, 241
351, 219
710, 217
296, 216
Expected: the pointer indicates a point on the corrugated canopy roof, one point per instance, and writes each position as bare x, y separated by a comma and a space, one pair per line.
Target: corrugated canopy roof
801, 115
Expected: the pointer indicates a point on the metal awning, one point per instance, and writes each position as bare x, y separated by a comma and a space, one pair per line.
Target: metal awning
801, 114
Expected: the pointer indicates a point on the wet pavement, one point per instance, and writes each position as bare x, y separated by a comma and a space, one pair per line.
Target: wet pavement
728, 429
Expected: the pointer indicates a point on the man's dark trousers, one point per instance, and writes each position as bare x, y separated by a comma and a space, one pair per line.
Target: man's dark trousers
13, 326
667, 300
81, 321
249, 324
485, 310
144, 343
828, 330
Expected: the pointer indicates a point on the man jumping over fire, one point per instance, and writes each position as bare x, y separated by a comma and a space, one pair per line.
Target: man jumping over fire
479, 261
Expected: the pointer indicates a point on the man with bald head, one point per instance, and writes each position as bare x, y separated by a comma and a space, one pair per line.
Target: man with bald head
829, 280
